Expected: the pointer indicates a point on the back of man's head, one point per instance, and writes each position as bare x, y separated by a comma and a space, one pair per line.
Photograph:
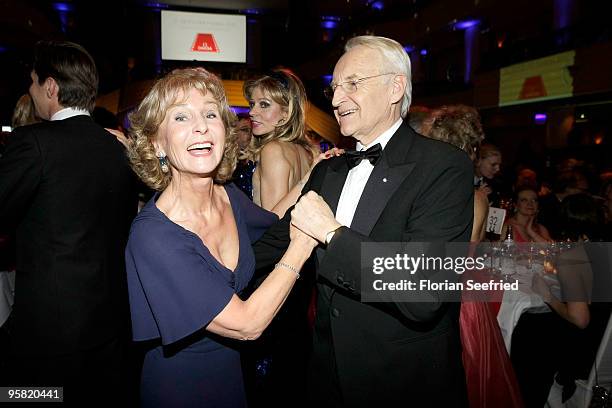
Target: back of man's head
72, 68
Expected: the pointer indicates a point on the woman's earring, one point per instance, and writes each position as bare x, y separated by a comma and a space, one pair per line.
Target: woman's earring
163, 162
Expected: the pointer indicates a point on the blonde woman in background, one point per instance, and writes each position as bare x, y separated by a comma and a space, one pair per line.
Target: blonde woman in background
25, 112
279, 144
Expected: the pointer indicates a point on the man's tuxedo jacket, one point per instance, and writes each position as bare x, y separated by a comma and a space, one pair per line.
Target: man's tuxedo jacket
67, 188
386, 353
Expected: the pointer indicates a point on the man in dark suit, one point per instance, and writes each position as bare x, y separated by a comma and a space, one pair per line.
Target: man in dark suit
67, 189
407, 188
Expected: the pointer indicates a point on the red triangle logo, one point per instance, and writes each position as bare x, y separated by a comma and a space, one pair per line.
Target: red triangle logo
533, 87
205, 43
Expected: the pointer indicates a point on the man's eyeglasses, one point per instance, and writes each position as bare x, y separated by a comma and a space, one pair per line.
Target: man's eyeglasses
349, 86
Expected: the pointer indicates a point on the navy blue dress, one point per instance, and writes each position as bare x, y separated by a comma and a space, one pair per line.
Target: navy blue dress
176, 289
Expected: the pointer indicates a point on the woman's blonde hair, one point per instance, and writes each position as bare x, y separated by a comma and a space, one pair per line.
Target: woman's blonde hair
458, 125
167, 92
286, 89
25, 112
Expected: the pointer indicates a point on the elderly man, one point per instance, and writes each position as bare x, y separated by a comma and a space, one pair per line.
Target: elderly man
67, 189
406, 188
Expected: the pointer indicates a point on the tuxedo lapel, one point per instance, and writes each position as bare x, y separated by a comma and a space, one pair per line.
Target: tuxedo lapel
333, 183
386, 177
331, 188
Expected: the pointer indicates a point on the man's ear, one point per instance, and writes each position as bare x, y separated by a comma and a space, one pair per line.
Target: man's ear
398, 87
51, 88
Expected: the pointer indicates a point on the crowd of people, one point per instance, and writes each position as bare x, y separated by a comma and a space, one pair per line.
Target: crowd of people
205, 295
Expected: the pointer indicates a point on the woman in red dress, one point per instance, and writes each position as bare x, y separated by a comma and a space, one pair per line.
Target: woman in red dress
525, 228
490, 378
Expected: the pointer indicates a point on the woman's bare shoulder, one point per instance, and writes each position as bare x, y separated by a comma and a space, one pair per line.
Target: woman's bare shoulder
275, 149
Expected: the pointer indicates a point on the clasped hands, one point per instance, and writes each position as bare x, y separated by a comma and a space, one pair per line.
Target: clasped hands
312, 219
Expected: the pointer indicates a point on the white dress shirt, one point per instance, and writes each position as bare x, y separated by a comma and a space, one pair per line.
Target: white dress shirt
68, 113
357, 178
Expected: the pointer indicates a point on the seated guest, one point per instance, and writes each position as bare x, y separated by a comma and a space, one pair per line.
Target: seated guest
524, 225
560, 334
581, 220
189, 254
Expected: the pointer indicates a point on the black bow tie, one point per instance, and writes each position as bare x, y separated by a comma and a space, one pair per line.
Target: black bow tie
373, 154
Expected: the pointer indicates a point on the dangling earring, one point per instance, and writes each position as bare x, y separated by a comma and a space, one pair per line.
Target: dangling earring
163, 162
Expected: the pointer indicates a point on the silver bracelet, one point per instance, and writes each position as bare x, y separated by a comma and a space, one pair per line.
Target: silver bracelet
287, 266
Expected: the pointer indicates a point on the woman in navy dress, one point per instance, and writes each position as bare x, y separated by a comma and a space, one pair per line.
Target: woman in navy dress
189, 253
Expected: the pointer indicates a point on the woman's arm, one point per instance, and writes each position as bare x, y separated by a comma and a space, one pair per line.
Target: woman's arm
576, 313
481, 209
537, 232
575, 277
246, 320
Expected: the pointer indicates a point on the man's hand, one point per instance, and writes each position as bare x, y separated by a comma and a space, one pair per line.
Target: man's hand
313, 216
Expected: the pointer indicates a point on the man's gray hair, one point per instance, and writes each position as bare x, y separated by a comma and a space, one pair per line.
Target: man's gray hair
396, 60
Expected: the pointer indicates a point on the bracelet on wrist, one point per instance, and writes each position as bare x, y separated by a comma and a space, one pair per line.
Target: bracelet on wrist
289, 267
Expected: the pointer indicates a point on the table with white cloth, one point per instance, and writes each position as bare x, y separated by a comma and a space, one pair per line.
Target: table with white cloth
525, 300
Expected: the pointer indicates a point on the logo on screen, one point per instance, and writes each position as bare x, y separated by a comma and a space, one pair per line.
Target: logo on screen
205, 43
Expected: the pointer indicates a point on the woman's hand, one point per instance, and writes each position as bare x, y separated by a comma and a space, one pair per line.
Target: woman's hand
302, 238
484, 189
328, 154
536, 233
120, 137
322, 156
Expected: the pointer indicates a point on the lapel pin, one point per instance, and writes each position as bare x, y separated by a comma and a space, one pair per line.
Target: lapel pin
384, 180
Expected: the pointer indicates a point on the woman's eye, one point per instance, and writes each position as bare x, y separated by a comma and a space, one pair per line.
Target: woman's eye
180, 118
264, 105
251, 104
211, 115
